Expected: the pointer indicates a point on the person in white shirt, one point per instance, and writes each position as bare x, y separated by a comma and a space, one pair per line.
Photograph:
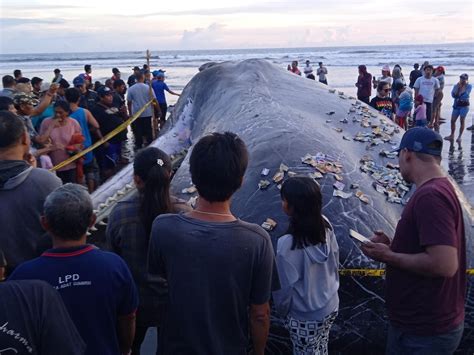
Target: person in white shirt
308, 70
428, 87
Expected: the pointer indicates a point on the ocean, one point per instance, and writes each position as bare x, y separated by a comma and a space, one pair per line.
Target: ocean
341, 63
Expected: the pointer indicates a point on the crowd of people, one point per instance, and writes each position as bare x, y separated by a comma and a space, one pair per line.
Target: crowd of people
201, 275
420, 107
416, 103
63, 119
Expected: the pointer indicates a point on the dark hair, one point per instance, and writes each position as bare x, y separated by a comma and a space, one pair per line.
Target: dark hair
139, 76
35, 80
63, 104
217, 165
72, 95
57, 71
11, 129
16, 73
381, 85
97, 85
63, 83
5, 103
307, 224
23, 80
118, 83
68, 211
87, 67
153, 166
8, 81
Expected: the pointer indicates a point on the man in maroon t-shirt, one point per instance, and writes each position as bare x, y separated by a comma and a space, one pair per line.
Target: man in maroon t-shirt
426, 260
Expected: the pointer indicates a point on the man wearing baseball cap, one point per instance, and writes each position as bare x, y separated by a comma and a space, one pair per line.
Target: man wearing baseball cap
109, 119
426, 259
88, 97
159, 87
132, 79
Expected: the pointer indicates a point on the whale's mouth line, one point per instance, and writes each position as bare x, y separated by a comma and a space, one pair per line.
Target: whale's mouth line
175, 141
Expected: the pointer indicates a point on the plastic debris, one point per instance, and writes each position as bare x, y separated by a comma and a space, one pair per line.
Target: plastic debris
189, 190
279, 176
315, 175
269, 224
360, 195
263, 184
192, 201
339, 185
341, 194
265, 172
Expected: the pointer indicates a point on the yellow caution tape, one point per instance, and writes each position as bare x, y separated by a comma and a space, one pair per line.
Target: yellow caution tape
376, 272
104, 139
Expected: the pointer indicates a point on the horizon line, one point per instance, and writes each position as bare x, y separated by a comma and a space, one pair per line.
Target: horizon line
250, 48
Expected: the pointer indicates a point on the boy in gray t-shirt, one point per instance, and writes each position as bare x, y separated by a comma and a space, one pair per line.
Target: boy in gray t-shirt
218, 268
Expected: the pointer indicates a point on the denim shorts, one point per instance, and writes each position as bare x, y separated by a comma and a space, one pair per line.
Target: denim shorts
421, 123
402, 343
460, 111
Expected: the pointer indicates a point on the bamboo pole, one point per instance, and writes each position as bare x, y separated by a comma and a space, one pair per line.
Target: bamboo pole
154, 120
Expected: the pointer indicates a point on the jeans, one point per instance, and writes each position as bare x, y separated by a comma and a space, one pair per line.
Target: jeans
402, 343
429, 111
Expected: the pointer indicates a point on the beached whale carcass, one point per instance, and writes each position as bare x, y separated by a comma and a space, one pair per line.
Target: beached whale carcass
294, 125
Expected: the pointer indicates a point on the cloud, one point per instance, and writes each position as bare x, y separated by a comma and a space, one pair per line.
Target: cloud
273, 7
16, 21
203, 37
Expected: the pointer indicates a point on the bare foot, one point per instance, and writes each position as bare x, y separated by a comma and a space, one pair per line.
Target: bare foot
449, 138
459, 139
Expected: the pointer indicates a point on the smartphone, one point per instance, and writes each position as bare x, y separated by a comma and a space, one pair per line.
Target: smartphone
359, 237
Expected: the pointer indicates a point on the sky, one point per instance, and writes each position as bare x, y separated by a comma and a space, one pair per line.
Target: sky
48, 26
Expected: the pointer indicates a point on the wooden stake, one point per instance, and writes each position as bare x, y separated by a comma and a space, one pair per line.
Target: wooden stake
154, 120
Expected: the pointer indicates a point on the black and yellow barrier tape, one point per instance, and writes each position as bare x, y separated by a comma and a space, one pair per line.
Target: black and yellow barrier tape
104, 139
376, 272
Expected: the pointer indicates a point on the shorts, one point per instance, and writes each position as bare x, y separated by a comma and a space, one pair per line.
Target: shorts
421, 123
109, 157
91, 171
402, 114
460, 111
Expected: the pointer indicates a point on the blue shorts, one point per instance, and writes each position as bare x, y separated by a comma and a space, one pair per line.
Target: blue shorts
421, 123
460, 111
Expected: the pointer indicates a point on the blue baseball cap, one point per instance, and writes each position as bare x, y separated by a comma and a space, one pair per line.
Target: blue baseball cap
159, 73
79, 81
422, 140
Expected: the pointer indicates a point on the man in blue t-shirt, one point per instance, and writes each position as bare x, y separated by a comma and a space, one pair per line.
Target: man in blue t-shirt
96, 286
159, 87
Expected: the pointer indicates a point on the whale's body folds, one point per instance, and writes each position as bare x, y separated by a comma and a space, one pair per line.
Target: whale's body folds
283, 118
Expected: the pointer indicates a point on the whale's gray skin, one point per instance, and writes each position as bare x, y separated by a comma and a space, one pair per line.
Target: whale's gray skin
282, 117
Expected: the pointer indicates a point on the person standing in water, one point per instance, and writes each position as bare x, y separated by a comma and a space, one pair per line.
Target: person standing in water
364, 88
460, 93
